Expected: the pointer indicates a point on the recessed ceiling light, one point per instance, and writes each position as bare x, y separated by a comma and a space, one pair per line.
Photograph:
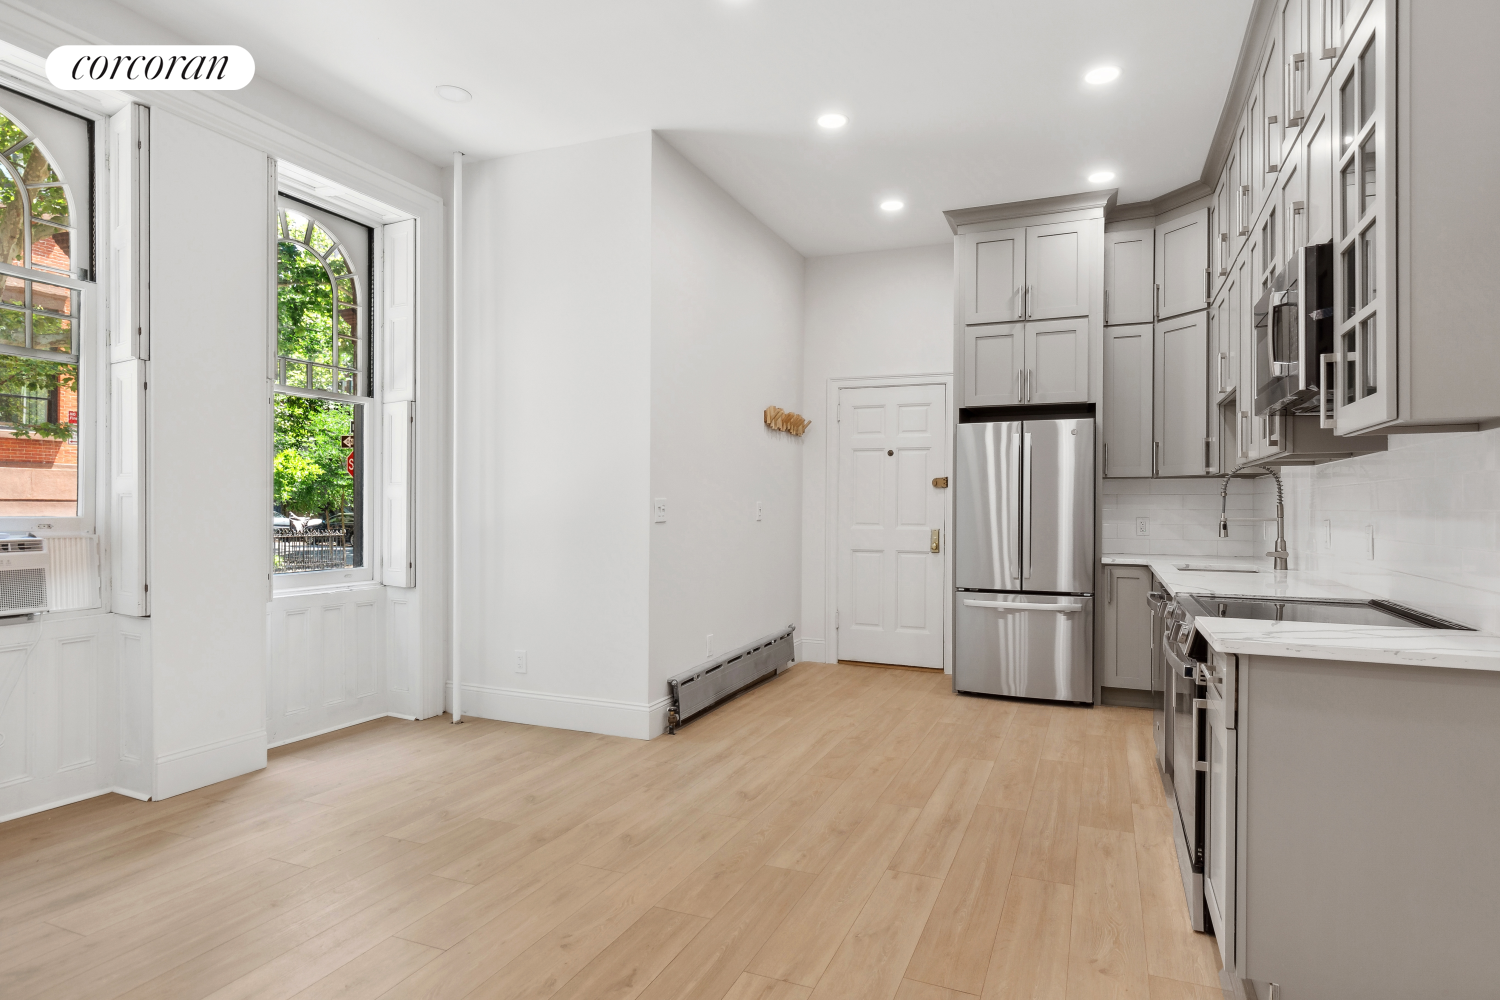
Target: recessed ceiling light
833, 120
448, 92
1102, 74
892, 205
1101, 177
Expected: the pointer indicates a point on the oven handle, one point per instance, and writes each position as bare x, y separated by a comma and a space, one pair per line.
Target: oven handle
1200, 705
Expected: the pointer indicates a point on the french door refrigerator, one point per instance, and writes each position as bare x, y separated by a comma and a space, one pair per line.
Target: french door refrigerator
1024, 559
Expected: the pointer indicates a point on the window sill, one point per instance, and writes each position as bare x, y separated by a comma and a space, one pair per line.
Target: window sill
325, 588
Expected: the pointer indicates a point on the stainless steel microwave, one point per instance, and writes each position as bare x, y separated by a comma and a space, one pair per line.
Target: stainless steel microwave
1294, 365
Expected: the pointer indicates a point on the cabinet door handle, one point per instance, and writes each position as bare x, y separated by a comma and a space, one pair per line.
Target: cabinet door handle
1111, 587
1208, 284
1155, 458
1106, 458
1157, 313
1106, 305
1020, 302
1222, 358
1326, 388
1208, 454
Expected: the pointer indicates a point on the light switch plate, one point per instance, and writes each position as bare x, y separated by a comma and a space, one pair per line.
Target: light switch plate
1143, 526
660, 516
760, 510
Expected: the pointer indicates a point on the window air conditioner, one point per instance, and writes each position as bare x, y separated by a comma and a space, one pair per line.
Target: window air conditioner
23, 575
52, 573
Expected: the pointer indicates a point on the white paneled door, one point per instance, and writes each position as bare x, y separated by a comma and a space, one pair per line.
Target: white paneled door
892, 446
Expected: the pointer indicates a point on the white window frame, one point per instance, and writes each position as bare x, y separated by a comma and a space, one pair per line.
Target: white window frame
288, 584
89, 324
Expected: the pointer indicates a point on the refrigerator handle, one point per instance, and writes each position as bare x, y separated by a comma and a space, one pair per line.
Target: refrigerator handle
1015, 463
1026, 479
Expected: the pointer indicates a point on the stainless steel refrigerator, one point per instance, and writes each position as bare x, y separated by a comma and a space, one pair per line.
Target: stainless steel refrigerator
1024, 559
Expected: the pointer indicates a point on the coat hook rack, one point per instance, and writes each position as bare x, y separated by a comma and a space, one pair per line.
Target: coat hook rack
780, 420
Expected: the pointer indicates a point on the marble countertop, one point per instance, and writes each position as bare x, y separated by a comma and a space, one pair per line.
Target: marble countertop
1225, 576
1419, 647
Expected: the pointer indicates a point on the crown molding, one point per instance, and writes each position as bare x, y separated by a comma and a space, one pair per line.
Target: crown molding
961, 218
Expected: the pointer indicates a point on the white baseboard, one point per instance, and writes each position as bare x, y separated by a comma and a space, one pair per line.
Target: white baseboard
333, 729
563, 711
808, 650
184, 770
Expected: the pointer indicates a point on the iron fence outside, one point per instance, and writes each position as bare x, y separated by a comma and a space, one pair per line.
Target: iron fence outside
307, 551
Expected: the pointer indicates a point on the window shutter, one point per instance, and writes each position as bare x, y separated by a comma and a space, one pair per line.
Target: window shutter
399, 241
396, 561
127, 489
129, 212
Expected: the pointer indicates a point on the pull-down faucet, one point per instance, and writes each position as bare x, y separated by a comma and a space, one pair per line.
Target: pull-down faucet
1280, 554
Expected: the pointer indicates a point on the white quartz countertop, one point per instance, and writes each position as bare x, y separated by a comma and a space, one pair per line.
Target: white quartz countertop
1225, 576
1420, 647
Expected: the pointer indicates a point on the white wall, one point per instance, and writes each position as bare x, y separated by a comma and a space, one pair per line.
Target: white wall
726, 342
1433, 503
555, 433
884, 313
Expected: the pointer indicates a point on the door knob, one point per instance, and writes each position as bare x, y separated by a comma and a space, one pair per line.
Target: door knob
937, 536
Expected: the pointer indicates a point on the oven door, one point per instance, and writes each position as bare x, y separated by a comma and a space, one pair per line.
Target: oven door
1187, 751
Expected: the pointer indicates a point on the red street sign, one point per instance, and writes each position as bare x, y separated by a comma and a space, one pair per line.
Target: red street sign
349, 463
72, 416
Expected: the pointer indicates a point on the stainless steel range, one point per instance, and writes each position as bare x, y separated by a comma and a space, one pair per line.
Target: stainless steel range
1184, 712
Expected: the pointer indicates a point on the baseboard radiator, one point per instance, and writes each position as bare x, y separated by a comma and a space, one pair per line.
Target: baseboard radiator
706, 685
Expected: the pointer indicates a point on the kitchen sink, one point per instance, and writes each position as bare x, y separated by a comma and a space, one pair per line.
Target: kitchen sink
1201, 568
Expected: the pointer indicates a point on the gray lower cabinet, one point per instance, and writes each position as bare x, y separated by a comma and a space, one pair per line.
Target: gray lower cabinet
1126, 419
1126, 643
1349, 834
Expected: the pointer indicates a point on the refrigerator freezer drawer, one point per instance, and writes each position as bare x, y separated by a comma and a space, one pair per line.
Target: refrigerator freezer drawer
1024, 645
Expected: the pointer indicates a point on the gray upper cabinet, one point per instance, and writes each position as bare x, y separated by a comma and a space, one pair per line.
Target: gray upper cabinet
995, 279
1182, 440
1129, 276
1057, 361
994, 364
1182, 264
1057, 269
1127, 410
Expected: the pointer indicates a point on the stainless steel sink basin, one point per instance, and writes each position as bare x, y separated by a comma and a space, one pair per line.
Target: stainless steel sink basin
1201, 568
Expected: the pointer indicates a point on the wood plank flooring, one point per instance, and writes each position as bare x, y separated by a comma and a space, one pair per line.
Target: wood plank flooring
839, 832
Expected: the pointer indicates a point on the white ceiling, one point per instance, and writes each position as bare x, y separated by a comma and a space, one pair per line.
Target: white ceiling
952, 103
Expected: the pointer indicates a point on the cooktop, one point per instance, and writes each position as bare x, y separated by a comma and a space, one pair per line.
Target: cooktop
1372, 612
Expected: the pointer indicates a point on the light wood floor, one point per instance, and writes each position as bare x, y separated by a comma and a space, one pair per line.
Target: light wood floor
841, 831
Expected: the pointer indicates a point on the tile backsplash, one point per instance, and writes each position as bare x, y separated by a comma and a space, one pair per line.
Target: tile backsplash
1418, 524
1182, 517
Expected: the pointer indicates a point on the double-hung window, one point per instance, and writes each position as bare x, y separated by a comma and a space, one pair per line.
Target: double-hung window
323, 384
46, 257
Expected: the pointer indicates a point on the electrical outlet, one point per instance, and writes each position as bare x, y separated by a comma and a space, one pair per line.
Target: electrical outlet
661, 510
760, 510
520, 661
1143, 526
708, 647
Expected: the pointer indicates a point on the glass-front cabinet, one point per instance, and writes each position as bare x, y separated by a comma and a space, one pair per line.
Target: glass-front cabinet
1363, 210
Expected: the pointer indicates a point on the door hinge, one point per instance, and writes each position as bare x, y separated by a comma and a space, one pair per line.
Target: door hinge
835, 619
146, 588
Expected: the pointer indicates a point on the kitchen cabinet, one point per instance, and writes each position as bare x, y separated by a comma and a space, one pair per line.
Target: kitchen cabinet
992, 275
1127, 407
1057, 361
1127, 643
1317, 160
1011, 363
994, 364
1129, 276
1289, 883
1181, 405
1058, 269
1182, 264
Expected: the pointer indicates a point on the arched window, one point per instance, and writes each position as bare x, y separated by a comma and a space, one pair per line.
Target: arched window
39, 342
320, 318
